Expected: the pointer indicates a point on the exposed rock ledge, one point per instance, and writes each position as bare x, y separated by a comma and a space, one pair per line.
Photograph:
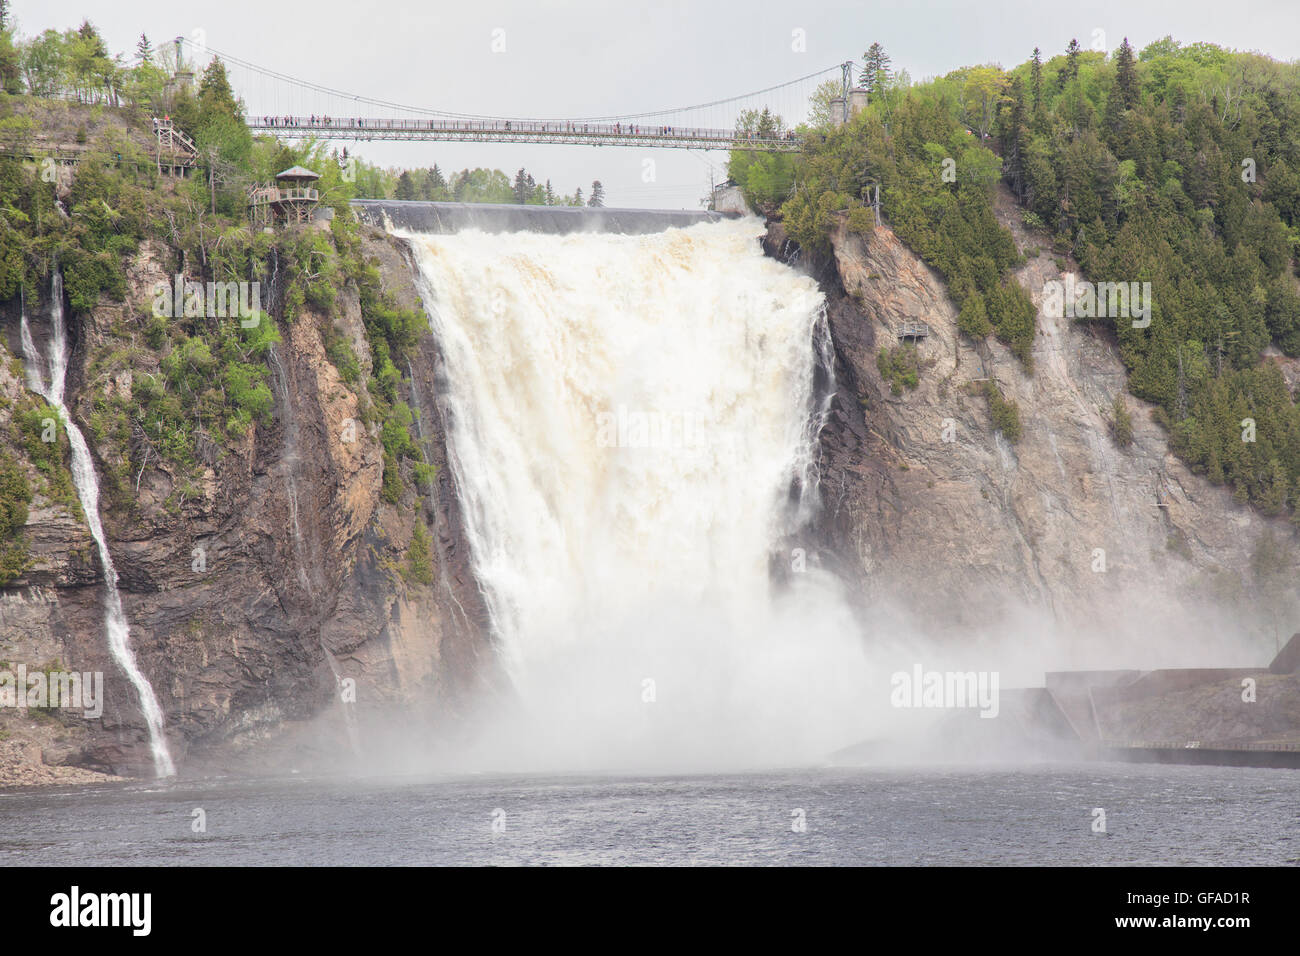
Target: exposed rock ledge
243, 653
979, 535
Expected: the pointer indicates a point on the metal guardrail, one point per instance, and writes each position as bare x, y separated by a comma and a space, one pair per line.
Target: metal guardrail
271, 194
520, 131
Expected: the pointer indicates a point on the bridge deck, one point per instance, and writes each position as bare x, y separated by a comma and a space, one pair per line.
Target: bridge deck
518, 131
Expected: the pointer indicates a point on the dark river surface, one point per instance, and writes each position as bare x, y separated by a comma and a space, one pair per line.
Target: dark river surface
1012, 815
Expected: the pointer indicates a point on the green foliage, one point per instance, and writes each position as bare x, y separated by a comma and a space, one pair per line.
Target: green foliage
39, 432
1139, 166
198, 383
861, 220
481, 185
425, 475
900, 367
390, 490
1136, 167
213, 381
765, 178
1005, 412
339, 351
937, 185
395, 433
314, 273
477, 185
973, 320
1121, 422
419, 556
15, 496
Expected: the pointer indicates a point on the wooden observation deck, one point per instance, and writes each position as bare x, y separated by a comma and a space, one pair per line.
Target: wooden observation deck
292, 198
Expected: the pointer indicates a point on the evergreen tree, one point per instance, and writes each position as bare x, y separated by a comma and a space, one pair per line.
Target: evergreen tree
219, 126
1126, 78
577, 198
11, 65
90, 35
144, 50
433, 187
597, 194
460, 185
550, 194
1013, 136
522, 192
438, 184
875, 69
405, 186
1036, 77
215, 95
1071, 69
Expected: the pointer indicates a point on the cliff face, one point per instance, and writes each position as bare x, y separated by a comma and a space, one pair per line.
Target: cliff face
1064, 534
273, 582
266, 589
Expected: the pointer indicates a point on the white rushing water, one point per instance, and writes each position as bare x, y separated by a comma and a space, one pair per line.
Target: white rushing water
629, 421
87, 485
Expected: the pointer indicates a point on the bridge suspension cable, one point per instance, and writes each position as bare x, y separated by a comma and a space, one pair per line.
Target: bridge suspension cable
307, 98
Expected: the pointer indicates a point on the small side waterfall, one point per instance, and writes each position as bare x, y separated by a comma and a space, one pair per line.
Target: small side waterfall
87, 484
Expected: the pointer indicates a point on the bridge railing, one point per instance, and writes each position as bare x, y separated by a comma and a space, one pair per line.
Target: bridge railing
561, 128
270, 194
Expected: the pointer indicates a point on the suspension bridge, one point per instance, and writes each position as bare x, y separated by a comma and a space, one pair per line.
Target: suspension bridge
291, 107
570, 132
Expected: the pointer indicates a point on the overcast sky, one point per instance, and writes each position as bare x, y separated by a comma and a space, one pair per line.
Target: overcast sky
595, 57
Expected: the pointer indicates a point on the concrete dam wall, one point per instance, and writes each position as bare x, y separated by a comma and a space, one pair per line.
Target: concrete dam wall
450, 217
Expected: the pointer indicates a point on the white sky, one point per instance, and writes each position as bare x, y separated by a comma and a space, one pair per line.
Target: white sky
594, 57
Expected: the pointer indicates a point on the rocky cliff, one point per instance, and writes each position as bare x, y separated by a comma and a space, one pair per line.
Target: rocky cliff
1065, 543
266, 599
270, 611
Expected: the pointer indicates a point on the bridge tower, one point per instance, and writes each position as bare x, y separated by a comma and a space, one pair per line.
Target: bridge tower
182, 76
852, 99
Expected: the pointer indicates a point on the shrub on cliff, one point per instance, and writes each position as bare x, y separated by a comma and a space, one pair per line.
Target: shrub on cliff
1121, 422
973, 321
900, 367
40, 433
419, 556
862, 220
1005, 412
15, 496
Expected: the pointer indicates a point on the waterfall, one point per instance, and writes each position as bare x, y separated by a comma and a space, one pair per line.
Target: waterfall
632, 423
87, 485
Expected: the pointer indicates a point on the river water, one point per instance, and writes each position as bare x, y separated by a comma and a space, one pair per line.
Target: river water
1026, 815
